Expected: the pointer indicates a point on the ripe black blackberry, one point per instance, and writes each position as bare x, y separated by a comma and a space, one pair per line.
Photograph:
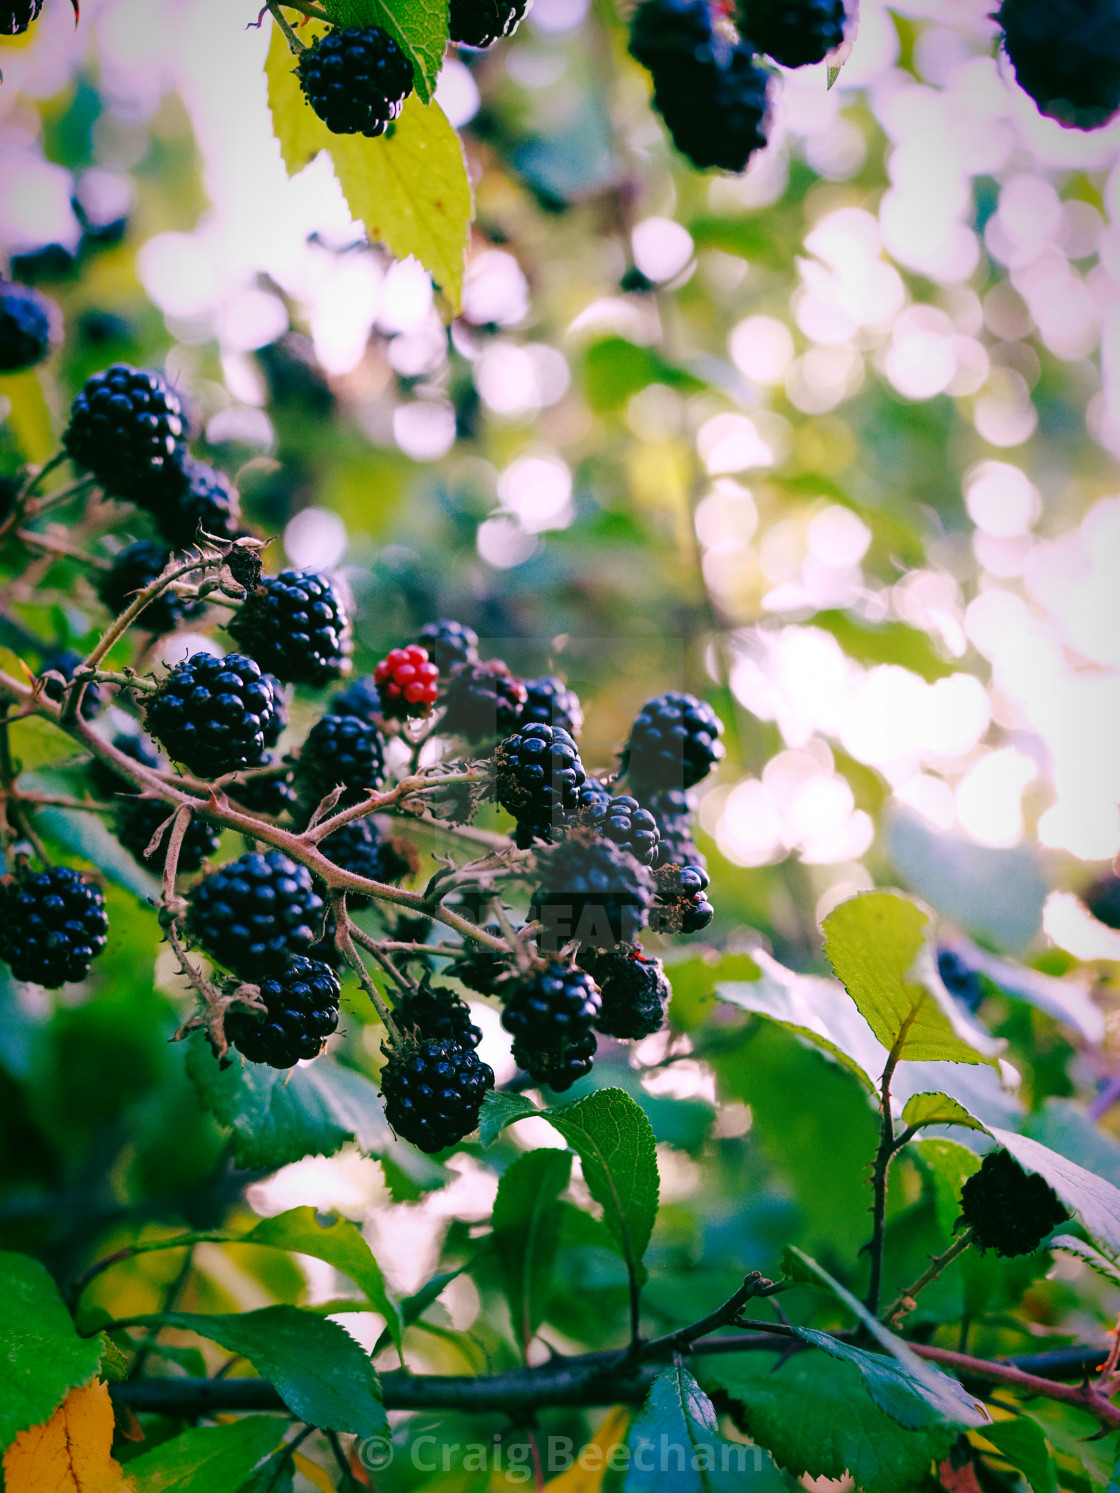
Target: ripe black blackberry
625, 823
30, 325
437, 1014
356, 79
296, 626
361, 698
107, 782
433, 1091
549, 702
273, 794
135, 567
194, 497
52, 926
634, 991
674, 743
213, 714
480, 968
64, 661
302, 1002
537, 776
126, 427
681, 904
1008, 1209
340, 751
480, 23
17, 15
256, 913
359, 846
672, 810
552, 1007
795, 33
962, 983
593, 891
557, 1068
1103, 899
1066, 56
135, 821
483, 701
449, 643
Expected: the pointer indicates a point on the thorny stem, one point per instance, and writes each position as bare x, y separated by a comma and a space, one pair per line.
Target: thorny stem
754, 1285
50, 544
14, 823
399, 978
180, 823
375, 801
906, 1301
883, 1155
122, 623
290, 37
344, 941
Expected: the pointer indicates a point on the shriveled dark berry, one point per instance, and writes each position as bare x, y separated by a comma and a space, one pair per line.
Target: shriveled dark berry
537, 776
198, 498
433, 1091
1008, 1209
795, 33
296, 626
549, 702
17, 15
359, 846
624, 822
480, 968
449, 643
64, 662
681, 904
52, 926
962, 983
135, 821
480, 23
1066, 56
437, 1013
302, 1012
340, 751
557, 1068
407, 682
256, 913
592, 891
634, 992
30, 325
356, 79
134, 568
360, 698
483, 701
126, 427
674, 743
213, 714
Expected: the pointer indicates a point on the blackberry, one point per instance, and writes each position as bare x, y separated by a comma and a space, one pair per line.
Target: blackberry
213, 714
1008, 1209
17, 15
407, 682
483, 701
135, 821
108, 782
296, 627
551, 1008
549, 702
795, 33
273, 794
480, 968
52, 926
433, 1091
622, 821
126, 427
1066, 56
480, 23
593, 891
672, 810
634, 991
9, 487
358, 846
134, 568
537, 775
962, 983
674, 743
681, 904
356, 79
361, 699
449, 643
341, 751
256, 913
1103, 899
64, 662
30, 325
557, 1068
439, 1015
302, 1012
196, 497
277, 722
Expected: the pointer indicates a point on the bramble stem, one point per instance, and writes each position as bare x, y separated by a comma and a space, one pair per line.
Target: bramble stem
343, 931
905, 1302
294, 43
883, 1155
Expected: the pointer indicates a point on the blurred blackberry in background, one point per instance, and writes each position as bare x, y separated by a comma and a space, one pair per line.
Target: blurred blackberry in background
361, 699
64, 661
448, 643
135, 821
1066, 56
106, 782
17, 15
134, 568
30, 325
479, 968
480, 23
962, 983
483, 701
1102, 899
274, 794
360, 847
549, 702
795, 33
200, 498
52, 926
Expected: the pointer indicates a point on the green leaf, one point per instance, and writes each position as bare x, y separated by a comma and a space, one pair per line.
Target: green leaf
872, 942
949, 1165
29, 417
526, 1232
613, 1139
419, 27
277, 1475
695, 982
413, 1307
203, 1460
320, 1372
41, 1357
88, 836
500, 1110
1065, 1128
891, 1384
675, 1445
938, 1109
1088, 1255
615, 368
1023, 1444
341, 1244
886, 643
1067, 1000
1095, 1201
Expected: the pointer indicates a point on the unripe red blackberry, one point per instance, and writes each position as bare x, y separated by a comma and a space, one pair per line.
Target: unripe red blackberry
537, 776
52, 926
433, 1091
480, 23
356, 79
449, 643
1066, 56
213, 714
1008, 1209
437, 1014
557, 1068
340, 751
483, 701
30, 325
302, 1012
633, 990
360, 698
134, 568
17, 15
256, 913
549, 702
622, 821
296, 626
407, 682
126, 427
192, 499
674, 743
592, 891
795, 33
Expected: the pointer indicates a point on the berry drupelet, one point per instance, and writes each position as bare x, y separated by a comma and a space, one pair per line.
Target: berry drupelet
1008, 1209
360, 698
213, 714
634, 992
356, 79
256, 913
480, 23
407, 682
674, 743
592, 891
30, 327
433, 1091
438, 1014
134, 568
301, 1013
126, 427
549, 702
483, 701
622, 821
340, 751
52, 926
196, 498
795, 33
449, 643
537, 776
1066, 56
296, 627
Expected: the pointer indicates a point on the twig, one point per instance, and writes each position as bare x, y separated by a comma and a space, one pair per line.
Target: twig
906, 1301
1086, 1396
296, 46
122, 623
883, 1155
343, 930
52, 545
180, 823
754, 1285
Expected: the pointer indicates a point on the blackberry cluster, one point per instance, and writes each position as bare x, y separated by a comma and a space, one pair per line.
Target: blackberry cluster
674, 743
17, 15
195, 498
592, 891
439, 1015
479, 968
134, 568
214, 715
361, 698
52, 926
433, 1091
356, 79
557, 1068
64, 661
1103, 900
708, 89
1066, 56
633, 989
551, 1008
795, 33
480, 23
448, 643
681, 904
30, 326
272, 794
624, 822
359, 847
483, 700
537, 776
256, 913
1008, 1209
126, 427
407, 682
341, 751
962, 983
302, 1012
135, 821
549, 702
295, 625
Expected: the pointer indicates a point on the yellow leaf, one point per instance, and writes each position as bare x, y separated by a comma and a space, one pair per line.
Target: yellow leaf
300, 131
586, 1473
313, 1473
71, 1452
28, 415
